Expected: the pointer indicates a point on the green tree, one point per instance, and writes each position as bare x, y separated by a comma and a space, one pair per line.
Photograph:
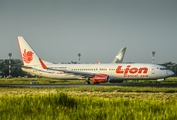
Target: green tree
172, 66
15, 68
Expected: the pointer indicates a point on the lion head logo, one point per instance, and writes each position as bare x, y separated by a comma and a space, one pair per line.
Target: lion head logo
27, 56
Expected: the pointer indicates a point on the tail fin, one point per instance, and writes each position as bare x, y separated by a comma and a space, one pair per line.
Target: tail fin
97, 62
29, 57
120, 56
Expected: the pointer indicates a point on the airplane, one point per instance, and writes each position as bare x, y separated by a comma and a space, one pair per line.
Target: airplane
97, 73
119, 57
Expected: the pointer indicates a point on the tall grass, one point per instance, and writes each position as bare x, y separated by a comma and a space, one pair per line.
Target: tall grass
170, 80
62, 106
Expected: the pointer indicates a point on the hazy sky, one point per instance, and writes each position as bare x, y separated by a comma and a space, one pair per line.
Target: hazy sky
58, 30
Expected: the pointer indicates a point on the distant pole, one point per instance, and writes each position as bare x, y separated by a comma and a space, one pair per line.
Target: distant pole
153, 54
79, 55
10, 55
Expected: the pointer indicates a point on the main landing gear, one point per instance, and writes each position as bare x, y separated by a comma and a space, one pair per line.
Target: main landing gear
87, 81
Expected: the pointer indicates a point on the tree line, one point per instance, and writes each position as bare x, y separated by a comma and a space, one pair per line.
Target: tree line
16, 70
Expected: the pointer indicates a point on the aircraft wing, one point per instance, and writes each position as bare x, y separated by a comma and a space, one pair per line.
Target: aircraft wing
83, 74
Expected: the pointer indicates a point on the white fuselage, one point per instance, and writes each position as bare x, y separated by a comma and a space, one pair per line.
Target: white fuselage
114, 71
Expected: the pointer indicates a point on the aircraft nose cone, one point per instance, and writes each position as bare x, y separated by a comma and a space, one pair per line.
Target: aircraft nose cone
170, 73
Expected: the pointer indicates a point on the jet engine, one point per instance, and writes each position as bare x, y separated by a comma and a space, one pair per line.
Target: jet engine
100, 78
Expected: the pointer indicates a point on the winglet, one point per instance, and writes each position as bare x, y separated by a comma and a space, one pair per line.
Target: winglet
42, 64
97, 62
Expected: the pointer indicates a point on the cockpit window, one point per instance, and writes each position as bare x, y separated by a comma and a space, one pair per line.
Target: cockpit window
163, 68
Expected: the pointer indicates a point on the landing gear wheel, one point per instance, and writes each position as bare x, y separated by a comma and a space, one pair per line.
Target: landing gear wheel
96, 83
87, 82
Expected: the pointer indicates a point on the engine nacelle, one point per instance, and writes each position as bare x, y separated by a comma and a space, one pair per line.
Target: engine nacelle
100, 78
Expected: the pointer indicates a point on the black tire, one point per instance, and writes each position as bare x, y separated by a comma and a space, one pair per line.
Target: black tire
87, 82
96, 83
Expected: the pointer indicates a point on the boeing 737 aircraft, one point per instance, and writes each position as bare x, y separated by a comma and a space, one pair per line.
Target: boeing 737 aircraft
98, 73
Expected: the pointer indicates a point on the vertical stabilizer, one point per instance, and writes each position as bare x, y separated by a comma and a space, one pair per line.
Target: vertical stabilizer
120, 56
29, 57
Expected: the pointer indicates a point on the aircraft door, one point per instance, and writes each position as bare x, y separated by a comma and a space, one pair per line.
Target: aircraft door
153, 70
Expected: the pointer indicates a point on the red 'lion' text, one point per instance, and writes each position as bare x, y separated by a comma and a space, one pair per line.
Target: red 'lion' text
133, 70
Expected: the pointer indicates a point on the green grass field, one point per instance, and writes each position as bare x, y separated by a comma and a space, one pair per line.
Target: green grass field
171, 80
87, 103
28, 104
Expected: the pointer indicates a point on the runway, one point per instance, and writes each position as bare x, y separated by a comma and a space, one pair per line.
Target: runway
83, 85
